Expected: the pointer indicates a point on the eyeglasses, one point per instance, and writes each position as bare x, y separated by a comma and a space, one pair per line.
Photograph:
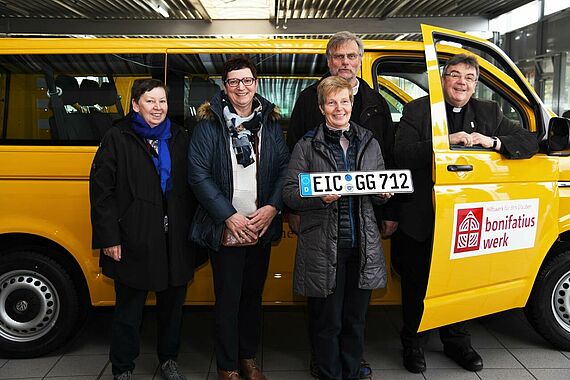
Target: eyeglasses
350, 56
234, 82
469, 78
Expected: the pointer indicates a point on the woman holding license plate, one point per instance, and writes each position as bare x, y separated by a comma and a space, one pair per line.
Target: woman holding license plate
339, 250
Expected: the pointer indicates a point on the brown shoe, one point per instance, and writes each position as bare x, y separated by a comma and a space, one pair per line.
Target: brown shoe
249, 368
228, 375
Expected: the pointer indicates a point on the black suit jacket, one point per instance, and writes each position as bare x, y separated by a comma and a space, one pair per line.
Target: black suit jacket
413, 150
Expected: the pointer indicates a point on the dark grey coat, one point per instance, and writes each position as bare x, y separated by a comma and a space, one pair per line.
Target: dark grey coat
315, 262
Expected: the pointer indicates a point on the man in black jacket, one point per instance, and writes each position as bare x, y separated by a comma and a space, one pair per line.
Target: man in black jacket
370, 110
470, 122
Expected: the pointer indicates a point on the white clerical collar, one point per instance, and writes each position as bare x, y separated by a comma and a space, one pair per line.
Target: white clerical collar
355, 88
457, 109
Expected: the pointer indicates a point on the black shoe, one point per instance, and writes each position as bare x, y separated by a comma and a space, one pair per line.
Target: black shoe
123, 376
170, 371
414, 360
466, 357
364, 374
365, 370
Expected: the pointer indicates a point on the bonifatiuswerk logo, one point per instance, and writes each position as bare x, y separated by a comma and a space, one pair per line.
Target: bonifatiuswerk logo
468, 229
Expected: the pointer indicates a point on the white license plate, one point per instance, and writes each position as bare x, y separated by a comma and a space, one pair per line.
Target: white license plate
355, 183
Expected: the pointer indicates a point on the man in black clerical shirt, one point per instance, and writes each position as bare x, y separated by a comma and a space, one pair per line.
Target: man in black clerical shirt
470, 122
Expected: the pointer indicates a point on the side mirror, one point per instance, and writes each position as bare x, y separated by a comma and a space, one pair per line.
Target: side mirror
558, 138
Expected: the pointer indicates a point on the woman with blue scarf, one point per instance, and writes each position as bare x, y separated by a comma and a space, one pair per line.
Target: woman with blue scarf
237, 163
140, 212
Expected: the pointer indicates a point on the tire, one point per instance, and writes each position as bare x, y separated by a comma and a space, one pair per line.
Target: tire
548, 308
39, 308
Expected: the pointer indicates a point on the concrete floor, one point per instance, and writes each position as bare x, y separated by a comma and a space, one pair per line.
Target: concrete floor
509, 347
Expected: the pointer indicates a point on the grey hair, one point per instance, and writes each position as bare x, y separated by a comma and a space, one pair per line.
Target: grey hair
343, 37
469, 60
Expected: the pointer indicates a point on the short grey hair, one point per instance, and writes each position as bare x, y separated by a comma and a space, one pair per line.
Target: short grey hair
340, 38
469, 60
332, 85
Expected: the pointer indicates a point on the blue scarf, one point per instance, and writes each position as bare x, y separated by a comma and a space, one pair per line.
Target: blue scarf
161, 133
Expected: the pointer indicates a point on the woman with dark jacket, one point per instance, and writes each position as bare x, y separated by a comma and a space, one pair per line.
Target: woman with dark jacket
237, 163
140, 213
339, 250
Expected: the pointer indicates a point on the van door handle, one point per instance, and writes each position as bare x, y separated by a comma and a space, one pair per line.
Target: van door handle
459, 168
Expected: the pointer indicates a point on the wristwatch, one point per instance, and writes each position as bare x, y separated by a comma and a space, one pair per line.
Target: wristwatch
495, 141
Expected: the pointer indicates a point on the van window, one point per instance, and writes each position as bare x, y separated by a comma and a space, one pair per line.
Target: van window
410, 88
483, 91
395, 103
398, 91
281, 77
400, 80
410, 76
491, 87
63, 99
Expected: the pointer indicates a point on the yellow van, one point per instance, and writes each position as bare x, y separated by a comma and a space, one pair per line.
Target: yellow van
59, 96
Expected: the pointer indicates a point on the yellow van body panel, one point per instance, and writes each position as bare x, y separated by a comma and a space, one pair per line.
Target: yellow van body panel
47, 195
44, 190
480, 285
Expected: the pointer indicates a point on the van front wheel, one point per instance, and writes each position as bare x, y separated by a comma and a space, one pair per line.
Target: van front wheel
39, 306
548, 308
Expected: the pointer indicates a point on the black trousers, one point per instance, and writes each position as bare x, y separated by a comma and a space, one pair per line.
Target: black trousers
239, 277
337, 322
411, 259
127, 319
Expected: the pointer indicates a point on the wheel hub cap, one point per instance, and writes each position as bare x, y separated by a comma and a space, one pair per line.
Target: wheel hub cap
561, 302
29, 306
21, 306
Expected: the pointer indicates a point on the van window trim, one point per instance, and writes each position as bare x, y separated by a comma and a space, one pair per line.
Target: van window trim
442, 58
497, 54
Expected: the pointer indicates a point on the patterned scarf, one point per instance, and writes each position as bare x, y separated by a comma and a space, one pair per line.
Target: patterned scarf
243, 130
161, 133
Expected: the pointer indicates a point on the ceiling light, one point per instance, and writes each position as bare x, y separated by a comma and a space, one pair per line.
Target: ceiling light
162, 11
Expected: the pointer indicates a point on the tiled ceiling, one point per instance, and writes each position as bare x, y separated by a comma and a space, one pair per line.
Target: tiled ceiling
15, 15
291, 9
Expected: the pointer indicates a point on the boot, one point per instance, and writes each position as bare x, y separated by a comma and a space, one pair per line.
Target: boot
250, 370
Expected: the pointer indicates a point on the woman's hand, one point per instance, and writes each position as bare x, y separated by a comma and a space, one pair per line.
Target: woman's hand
240, 227
388, 227
261, 218
113, 252
330, 198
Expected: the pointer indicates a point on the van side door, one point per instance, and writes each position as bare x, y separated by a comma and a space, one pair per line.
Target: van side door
495, 218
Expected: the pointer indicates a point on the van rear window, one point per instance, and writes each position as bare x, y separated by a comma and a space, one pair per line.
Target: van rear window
73, 99
63, 99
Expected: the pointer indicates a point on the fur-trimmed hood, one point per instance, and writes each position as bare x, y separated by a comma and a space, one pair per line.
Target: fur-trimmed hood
208, 110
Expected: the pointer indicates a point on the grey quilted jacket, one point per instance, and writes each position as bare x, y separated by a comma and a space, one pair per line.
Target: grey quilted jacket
315, 261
